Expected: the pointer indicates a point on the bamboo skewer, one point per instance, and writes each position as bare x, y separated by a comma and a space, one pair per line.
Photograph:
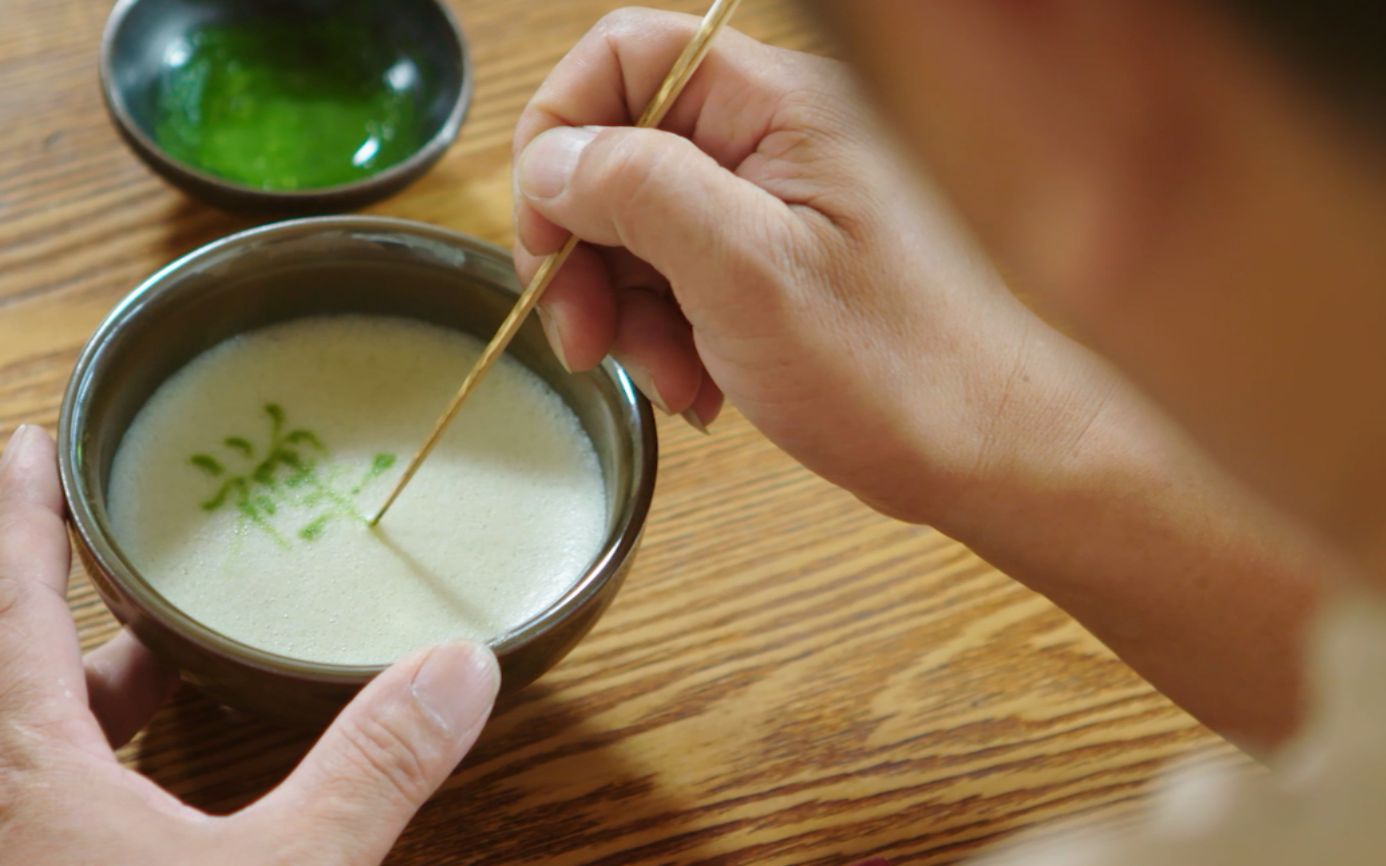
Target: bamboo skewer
654, 113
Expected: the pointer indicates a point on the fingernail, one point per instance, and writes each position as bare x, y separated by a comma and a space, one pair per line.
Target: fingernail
695, 422
550, 160
645, 382
555, 336
18, 442
456, 685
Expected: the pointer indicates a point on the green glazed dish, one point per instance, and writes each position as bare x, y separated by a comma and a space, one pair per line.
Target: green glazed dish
286, 105
282, 106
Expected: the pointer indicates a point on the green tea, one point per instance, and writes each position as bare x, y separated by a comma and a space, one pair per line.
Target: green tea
288, 105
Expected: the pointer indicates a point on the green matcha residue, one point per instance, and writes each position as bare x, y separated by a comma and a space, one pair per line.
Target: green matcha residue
288, 105
239, 444
286, 473
207, 463
314, 530
380, 464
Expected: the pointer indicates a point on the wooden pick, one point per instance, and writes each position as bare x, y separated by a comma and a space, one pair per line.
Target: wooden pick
679, 74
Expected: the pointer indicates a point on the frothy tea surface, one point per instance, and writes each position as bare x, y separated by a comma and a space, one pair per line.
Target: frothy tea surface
242, 488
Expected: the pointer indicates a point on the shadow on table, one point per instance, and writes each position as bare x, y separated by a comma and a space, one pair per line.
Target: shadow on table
542, 782
189, 224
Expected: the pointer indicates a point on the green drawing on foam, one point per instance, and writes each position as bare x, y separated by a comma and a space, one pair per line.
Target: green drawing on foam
286, 473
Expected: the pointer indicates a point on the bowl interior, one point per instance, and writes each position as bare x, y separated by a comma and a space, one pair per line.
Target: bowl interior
412, 44
317, 267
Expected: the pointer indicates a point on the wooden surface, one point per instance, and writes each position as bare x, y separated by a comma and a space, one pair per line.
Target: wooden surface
786, 678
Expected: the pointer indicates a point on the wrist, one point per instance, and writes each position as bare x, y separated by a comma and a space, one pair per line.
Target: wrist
1061, 430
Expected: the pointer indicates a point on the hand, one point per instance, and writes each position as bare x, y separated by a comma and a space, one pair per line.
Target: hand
764, 244
65, 799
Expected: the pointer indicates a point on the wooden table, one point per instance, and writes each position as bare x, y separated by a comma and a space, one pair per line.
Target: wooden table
786, 678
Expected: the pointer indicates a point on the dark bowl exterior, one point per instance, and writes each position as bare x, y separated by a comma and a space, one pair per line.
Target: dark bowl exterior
308, 267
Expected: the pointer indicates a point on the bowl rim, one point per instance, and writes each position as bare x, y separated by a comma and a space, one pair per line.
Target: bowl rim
383, 180
617, 548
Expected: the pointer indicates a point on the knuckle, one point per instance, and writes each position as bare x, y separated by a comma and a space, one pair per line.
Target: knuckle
383, 748
28, 532
635, 173
629, 163
629, 21
13, 592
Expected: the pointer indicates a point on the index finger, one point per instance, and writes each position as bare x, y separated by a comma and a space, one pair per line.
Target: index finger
615, 69
42, 684
727, 108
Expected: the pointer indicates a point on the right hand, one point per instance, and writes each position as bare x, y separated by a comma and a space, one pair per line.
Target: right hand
763, 244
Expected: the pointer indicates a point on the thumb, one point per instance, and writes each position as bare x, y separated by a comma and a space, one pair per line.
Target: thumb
385, 754
659, 196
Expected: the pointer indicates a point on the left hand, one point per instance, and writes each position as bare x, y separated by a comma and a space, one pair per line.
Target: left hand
65, 799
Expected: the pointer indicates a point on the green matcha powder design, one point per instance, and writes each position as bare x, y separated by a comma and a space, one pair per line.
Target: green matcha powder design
288, 473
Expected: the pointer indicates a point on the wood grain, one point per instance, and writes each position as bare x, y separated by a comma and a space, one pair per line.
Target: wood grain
786, 678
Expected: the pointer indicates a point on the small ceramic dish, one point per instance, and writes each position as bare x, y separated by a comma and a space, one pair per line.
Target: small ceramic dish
308, 267
413, 47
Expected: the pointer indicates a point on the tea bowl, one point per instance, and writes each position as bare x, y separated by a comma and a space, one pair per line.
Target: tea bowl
312, 267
